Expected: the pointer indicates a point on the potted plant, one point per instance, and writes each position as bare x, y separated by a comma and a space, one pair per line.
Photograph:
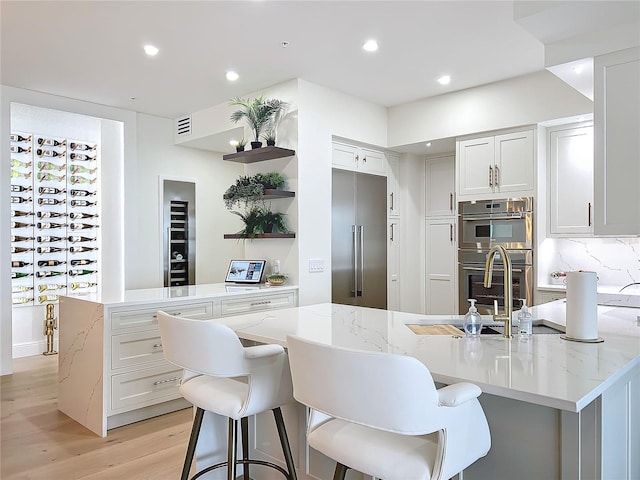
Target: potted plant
240, 145
246, 190
270, 137
259, 113
259, 220
270, 180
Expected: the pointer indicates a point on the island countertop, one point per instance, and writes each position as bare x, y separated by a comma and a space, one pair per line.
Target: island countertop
544, 369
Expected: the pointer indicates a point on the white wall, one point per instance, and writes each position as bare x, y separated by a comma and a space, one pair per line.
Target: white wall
524, 100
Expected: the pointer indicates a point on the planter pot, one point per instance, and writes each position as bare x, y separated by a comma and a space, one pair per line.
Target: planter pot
256, 145
271, 143
240, 148
268, 228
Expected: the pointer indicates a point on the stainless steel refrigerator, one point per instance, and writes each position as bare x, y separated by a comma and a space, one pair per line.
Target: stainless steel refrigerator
359, 239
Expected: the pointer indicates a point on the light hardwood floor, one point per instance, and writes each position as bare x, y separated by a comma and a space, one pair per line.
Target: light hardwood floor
39, 442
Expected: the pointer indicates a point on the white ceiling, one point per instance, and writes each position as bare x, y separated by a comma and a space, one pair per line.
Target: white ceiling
92, 50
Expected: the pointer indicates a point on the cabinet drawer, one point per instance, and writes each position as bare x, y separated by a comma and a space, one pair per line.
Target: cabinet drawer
145, 387
136, 348
147, 317
237, 306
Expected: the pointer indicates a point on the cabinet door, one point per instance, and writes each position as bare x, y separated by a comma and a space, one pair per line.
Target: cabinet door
344, 156
371, 161
570, 180
441, 267
393, 185
617, 143
393, 265
476, 159
514, 164
440, 197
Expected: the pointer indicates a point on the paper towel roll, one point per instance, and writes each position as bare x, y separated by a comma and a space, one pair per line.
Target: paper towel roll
582, 305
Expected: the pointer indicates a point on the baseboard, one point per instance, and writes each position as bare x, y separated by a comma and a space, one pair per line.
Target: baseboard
29, 349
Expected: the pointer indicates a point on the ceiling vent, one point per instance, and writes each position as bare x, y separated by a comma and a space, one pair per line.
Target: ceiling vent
183, 126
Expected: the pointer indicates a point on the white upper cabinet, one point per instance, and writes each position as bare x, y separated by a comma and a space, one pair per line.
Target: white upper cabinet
440, 195
617, 143
359, 159
393, 185
499, 164
570, 161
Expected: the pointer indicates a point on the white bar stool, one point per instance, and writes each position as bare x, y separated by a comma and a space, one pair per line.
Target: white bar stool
223, 377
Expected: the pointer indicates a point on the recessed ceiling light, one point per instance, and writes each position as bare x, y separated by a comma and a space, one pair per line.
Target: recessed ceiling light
444, 80
151, 50
370, 46
428, 144
234, 143
232, 76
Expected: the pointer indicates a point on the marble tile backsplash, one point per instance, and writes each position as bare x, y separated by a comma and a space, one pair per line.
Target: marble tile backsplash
615, 260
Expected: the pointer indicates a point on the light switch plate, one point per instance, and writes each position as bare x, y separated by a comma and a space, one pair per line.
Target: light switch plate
316, 265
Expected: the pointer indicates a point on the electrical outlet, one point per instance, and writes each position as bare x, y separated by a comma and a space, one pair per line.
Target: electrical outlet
316, 265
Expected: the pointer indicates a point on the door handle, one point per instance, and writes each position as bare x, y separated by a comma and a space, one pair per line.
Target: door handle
589, 214
361, 228
490, 176
451, 232
496, 173
391, 202
391, 226
451, 202
354, 232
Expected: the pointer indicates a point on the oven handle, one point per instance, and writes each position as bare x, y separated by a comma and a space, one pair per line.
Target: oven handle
481, 269
511, 216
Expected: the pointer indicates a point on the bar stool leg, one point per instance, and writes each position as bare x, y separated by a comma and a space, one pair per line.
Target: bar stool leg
244, 427
231, 449
193, 439
284, 442
341, 471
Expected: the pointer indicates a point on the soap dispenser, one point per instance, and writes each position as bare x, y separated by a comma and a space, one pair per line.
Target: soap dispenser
525, 320
472, 321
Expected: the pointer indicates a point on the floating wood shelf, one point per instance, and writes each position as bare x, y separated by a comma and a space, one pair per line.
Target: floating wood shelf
259, 155
263, 235
270, 193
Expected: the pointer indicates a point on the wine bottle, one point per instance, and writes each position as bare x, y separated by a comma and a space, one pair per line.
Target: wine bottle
22, 249
20, 274
51, 201
19, 149
82, 249
50, 263
81, 146
82, 169
51, 214
19, 163
50, 273
49, 286
48, 298
20, 213
16, 137
82, 157
75, 215
77, 285
20, 264
42, 176
76, 239
43, 152
75, 273
50, 249
15, 199
21, 225
20, 300
21, 288
82, 261
51, 166
49, 239
18, 174
20, 188
46, 225
53, 190
81, 193
51, 142
20, 238
78, 179
82, 203
81, 226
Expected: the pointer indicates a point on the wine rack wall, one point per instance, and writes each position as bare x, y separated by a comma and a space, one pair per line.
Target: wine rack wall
54, 218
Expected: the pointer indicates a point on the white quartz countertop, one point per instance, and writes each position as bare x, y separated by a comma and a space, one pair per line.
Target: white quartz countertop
544, 369
187, 292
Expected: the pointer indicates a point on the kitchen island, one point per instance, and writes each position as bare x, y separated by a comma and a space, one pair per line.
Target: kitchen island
111, 368
556, 408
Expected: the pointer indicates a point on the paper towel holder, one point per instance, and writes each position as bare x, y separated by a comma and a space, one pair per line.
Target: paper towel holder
583, 340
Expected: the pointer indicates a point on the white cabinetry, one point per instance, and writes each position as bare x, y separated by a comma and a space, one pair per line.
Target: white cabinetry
393, 186
393, 263
501, 164
570, 180
359, 159
617, 142
440, 237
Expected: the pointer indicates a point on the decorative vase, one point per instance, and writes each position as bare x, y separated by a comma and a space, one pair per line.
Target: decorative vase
239, 148
256, 145
271, 143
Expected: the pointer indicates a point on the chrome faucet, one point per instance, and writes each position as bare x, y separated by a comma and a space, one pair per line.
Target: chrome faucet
508, 286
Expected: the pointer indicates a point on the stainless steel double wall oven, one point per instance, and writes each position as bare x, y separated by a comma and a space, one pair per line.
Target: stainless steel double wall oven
483, 224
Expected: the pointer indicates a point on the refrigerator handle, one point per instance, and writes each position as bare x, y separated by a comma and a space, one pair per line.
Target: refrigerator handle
361, 228
354, 232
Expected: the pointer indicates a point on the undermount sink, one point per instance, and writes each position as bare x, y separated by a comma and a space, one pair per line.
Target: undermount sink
540, 327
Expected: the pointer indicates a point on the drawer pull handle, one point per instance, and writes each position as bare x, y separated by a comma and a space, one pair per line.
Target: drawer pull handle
168, 380
264, 302
157, 345
177, 314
